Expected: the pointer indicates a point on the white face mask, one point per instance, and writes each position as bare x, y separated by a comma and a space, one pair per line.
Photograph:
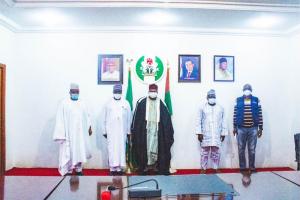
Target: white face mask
152, 95
212, 100
247, 92
117, 96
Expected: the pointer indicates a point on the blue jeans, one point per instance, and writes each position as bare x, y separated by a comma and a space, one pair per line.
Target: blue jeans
247, 136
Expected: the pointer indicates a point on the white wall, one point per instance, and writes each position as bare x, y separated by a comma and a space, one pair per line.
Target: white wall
6, 51
294, 91
45, 64
6, 40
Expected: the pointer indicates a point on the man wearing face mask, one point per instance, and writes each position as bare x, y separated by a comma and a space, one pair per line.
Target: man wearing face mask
116, 121
211, 130
152, 134
248, 125
72, 128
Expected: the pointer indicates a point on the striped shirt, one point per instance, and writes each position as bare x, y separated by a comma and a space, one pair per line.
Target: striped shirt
248, 119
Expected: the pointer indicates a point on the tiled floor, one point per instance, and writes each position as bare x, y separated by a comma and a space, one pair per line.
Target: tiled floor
292, 176
263, 186
28, 187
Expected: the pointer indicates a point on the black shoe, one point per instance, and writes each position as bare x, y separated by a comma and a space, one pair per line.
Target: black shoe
120, 173
167, 173
112, 173
79, 173
145, 172
115, 173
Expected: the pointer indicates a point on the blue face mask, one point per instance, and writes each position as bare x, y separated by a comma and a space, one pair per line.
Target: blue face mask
74, 97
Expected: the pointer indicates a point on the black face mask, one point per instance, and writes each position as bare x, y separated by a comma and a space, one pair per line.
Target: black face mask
117, 96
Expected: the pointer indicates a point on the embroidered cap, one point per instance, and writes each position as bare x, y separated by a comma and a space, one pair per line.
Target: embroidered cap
211, 94
153, 88
222, 60
117, 88
247, 87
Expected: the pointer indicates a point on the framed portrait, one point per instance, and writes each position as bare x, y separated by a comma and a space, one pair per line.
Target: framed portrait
110, 68
224, 68
189, 68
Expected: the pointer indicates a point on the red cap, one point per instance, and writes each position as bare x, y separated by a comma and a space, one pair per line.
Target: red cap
153, 88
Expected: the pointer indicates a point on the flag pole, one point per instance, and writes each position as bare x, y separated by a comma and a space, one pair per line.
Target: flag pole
168, 102
129, 99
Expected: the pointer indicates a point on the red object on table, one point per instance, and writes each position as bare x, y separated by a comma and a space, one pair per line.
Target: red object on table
105, 195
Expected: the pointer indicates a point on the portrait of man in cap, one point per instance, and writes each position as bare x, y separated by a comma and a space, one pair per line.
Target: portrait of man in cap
110, 69
223, 68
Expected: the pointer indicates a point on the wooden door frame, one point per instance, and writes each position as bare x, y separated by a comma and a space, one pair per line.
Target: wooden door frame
2, 131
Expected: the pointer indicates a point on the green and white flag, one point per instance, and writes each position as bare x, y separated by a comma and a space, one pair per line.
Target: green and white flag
129, 96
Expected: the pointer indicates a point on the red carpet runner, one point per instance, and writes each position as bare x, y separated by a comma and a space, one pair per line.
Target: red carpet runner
105, 172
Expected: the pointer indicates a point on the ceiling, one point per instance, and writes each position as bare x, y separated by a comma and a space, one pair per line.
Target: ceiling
240, 17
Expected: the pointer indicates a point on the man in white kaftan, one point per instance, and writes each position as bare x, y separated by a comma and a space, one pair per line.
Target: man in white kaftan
72, 131
211, 130
116, 122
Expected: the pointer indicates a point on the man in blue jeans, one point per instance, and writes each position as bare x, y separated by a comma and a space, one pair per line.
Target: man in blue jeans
248, 125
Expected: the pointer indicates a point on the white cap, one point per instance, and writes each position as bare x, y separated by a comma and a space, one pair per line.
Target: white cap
74, 86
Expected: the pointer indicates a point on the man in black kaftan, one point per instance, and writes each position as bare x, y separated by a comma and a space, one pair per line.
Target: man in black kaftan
152, 134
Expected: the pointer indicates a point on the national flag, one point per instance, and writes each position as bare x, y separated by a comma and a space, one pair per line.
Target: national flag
129, 97
168, 100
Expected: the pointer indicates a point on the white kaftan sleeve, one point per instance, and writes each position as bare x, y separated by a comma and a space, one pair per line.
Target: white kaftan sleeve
199, 122
103, 121
224, 124
129, 118
59, 130
87, 116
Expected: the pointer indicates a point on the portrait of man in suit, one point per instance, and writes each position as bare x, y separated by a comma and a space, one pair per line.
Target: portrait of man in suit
189, 70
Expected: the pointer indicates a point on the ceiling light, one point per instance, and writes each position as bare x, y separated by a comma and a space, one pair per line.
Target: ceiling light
50, 17
159, 17
265, 21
